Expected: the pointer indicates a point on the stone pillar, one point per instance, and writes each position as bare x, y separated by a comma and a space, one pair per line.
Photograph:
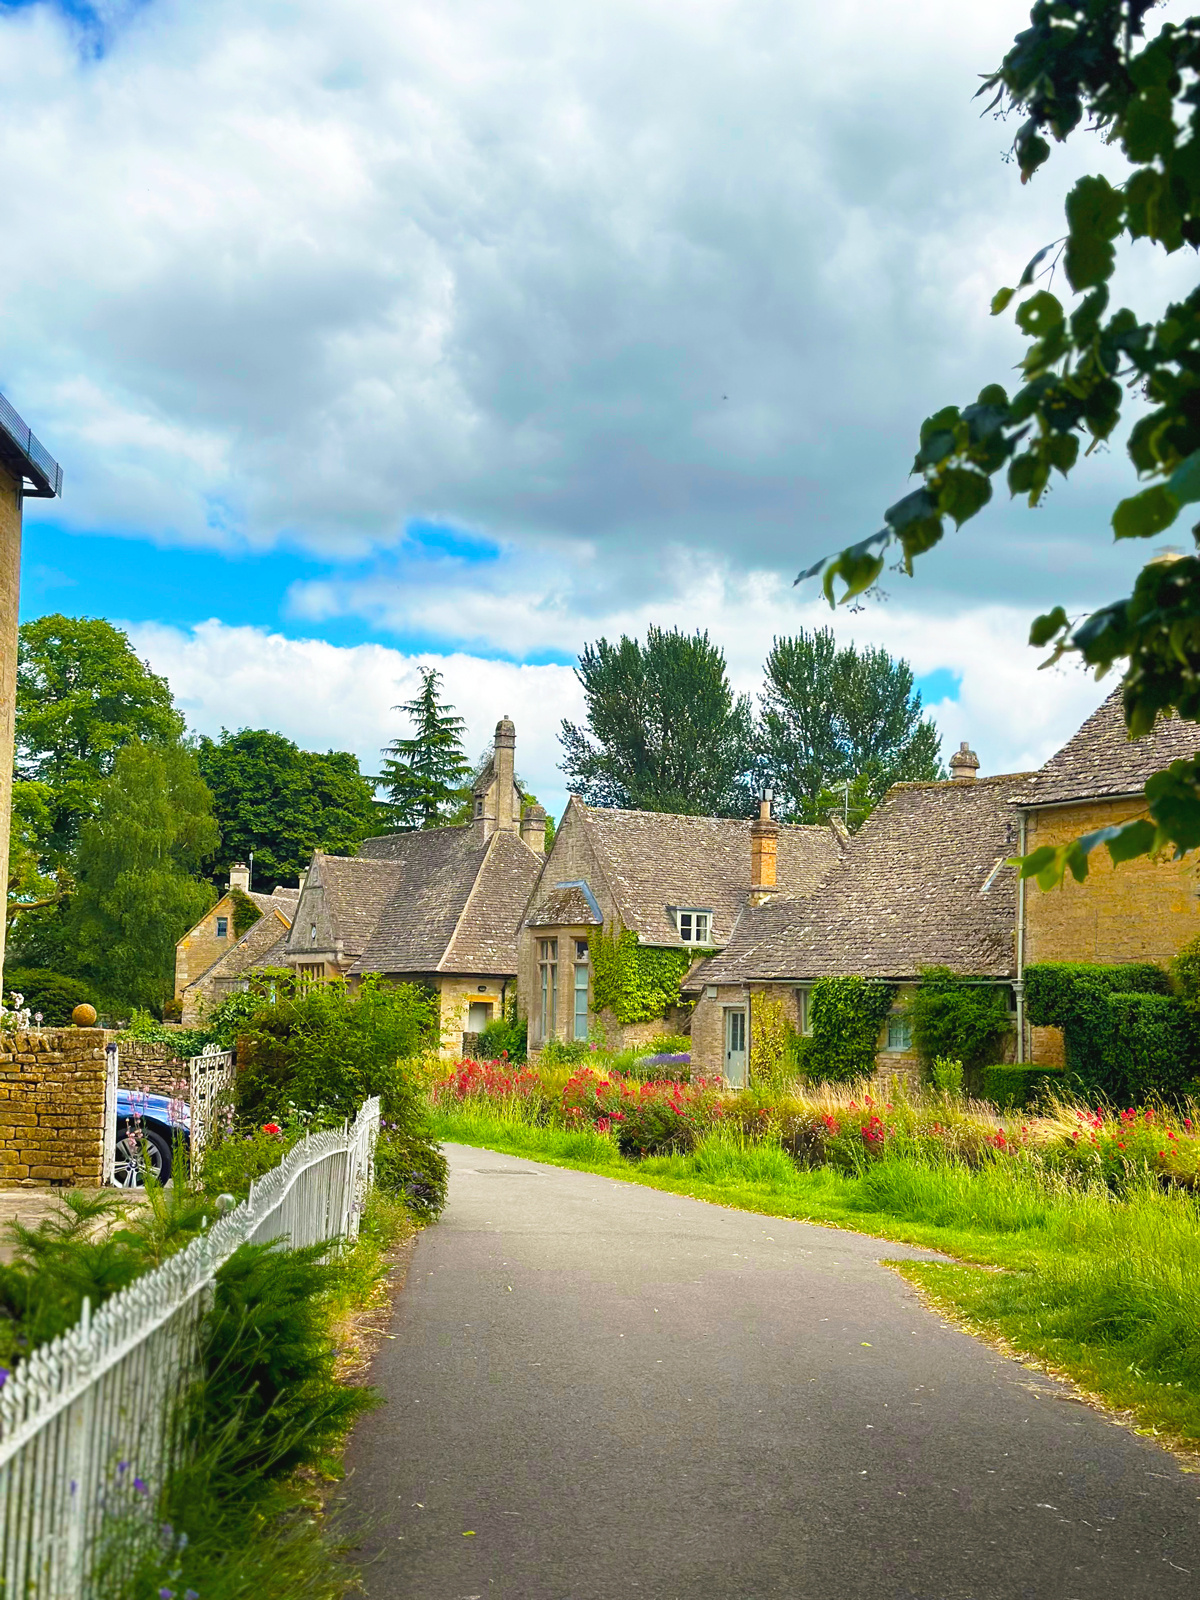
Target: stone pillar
239, 877
10, 594
507, 805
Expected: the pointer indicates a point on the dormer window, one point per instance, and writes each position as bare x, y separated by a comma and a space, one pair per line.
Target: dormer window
695, 926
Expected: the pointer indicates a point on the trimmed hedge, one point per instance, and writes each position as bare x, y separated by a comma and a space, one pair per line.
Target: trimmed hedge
51, 993
1126, 1037
1012, 1088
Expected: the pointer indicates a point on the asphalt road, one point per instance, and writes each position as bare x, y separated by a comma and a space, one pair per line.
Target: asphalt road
597, 1390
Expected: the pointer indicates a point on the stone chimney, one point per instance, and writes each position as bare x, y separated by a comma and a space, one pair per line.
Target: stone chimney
507, 805
533, 829
964, 764
764, 844
239, 877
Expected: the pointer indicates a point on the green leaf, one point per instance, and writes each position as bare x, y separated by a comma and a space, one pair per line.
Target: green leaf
1000, 300
1047, 627
1134, 839
1061, 450
1095, 211
1184, 482
961, 493
1039, 314
1027, 275
1143, 515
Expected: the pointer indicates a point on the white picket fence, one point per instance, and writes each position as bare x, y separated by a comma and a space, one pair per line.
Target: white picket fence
88, 1416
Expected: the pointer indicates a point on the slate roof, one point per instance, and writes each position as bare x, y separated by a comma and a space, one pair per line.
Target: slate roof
261, 938
270, 902
440, 901
921, 884
652, 860
1102, 760
564, 905
357, 890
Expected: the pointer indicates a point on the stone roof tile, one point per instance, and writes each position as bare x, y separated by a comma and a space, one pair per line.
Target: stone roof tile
923, 883
1101, 759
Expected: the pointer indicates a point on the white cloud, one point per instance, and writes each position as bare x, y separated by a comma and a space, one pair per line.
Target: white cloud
326, 696
652, 272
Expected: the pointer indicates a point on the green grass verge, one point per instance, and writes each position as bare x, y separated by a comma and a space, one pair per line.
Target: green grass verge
1103, 1289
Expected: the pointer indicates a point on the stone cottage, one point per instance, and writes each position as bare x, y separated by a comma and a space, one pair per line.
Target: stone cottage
1143, 910
439, 906
211, 960
923, 883
673, 883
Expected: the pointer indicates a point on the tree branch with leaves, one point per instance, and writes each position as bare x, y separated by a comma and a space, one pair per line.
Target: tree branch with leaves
1088, 63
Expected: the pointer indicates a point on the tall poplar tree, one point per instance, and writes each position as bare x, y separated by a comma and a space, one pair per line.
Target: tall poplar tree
423, 775
665, 731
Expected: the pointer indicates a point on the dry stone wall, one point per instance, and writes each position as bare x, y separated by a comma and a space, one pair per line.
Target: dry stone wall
52, 1120
151, 1068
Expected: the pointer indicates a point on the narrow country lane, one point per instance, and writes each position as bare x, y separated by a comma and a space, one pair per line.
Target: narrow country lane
598, 1390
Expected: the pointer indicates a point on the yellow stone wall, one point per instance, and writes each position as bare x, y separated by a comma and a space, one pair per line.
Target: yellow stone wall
10, 590
1143, 910
456, 996
52, 1107
199, 949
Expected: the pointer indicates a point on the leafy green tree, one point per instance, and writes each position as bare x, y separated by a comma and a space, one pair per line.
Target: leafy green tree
839, 727
423, 775
31, 892
281, 803
138, 862
82, 694
1088, 63
665, 732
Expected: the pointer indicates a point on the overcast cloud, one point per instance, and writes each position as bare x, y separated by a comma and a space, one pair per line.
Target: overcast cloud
648, 298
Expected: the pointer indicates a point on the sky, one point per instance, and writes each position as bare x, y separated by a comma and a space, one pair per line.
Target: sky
375, 336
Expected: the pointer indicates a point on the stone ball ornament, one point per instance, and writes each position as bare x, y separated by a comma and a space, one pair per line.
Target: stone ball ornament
84, 1016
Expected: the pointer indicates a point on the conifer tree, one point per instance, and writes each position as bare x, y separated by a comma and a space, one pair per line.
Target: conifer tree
423, 775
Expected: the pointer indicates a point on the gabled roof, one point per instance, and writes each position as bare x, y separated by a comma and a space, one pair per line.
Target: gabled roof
565, 905
923, 883
653, 859
356, 891
251, 950
452, 903
281, 901
1101, 759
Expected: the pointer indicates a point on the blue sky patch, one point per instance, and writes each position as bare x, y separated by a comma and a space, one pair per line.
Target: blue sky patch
940, 684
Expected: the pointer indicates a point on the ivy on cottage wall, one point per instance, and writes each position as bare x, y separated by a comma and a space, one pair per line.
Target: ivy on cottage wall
845, 1016
636, 982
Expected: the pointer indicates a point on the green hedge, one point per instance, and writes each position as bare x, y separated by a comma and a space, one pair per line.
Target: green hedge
845, 1016
1012, 1088
51, 993
1126, 1037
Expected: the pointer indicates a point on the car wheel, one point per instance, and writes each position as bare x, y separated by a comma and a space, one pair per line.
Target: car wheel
140, 1149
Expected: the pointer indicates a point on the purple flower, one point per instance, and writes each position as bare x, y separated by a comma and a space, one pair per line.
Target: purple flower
140, 1486
122, 1468
3, 1376
190, 1594
166, 1594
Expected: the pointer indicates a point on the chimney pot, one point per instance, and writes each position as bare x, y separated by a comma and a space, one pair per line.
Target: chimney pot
239, 877
964, 764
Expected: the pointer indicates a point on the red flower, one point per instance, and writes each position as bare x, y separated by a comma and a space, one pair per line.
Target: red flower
271, 1127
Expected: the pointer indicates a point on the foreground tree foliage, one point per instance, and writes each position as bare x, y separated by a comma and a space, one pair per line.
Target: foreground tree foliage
1088, 62
279, 803
665, 731
831, 718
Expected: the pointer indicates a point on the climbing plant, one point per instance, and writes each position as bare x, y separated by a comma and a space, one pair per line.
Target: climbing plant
845, 1016
636, 982
956, 1019
245, 912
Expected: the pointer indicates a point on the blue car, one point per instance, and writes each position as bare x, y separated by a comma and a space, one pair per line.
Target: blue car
147, 1128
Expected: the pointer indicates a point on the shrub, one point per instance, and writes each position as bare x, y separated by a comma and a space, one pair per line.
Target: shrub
1015, 1087
505, 1037
1185, 975
845, 1017
772, 1059
1125, 1036
947, 1076
323, 1046
51, 993
236, 1159
414, 1170
957, 1020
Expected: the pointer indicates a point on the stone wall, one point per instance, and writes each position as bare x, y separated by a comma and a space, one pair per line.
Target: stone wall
10, 586
200, 948
455, 998
152, 1068
1144, 910
52, 1115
